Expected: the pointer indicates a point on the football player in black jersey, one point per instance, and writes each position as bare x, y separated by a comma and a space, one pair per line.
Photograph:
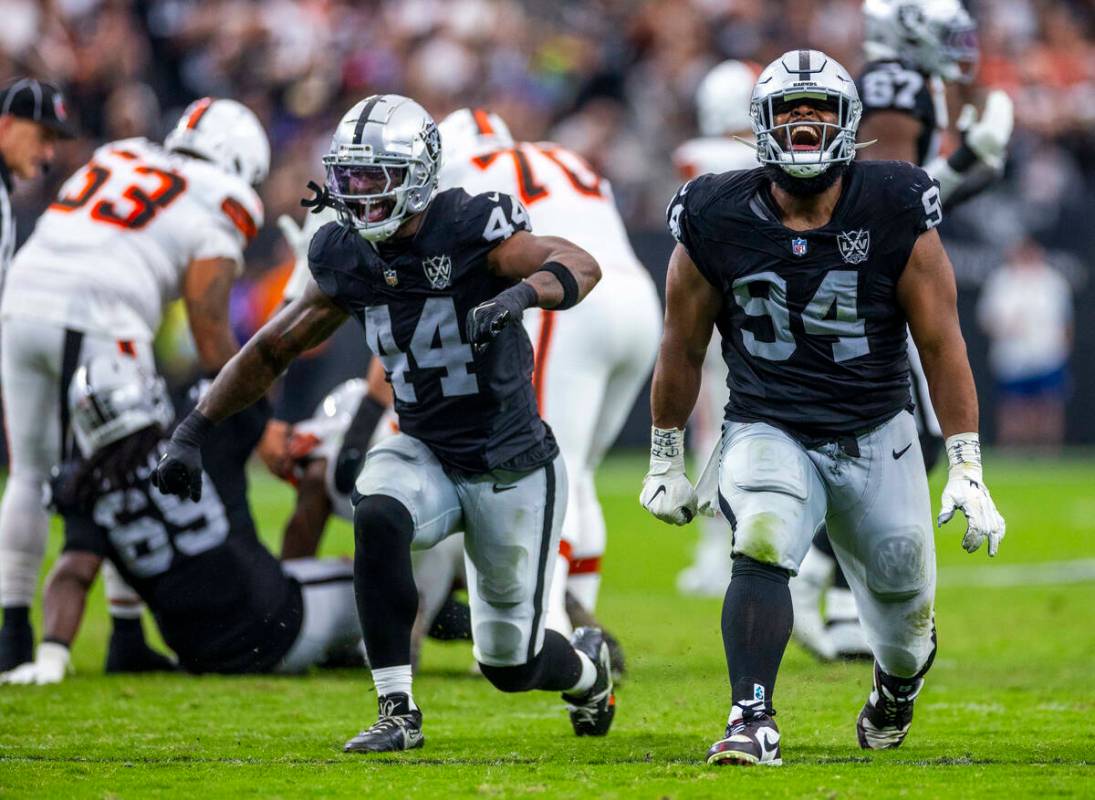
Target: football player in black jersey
438, 280
913, 49
811, 266
221, 600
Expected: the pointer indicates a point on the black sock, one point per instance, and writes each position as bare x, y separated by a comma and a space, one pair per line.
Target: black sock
387, 599
17, 616
556, 668
127, 629
756, 624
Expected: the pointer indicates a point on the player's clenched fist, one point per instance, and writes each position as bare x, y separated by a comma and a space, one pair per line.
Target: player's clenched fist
489, 319
667, 492
180, 469
966, 490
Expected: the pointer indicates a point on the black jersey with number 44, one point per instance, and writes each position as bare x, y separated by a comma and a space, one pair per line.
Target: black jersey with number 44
812, 332
475, 411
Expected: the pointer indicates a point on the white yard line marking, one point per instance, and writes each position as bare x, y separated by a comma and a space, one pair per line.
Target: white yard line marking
1047, 573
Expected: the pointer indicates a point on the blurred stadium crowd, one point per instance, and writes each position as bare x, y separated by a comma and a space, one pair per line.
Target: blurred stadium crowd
612, 79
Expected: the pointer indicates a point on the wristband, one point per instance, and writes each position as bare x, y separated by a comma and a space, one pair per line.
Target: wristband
964, 455
666, 450
194, 429
567, 280
524, 293
962, 159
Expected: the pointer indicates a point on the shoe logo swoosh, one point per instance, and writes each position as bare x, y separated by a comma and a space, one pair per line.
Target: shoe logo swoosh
898, 453
660, 490
769, 740
499, 489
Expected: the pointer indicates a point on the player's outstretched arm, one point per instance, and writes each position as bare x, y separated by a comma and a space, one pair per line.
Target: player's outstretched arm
63, 606
302, 324
928, 295
553, 273
206, 288
692, 304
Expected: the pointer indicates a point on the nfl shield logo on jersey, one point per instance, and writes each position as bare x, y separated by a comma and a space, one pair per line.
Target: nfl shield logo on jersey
438, 271
390, 276
854, 245
798, 246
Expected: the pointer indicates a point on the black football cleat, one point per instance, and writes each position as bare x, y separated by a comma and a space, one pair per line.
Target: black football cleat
887, 715
752, 741
16, 644
397, 727
591, 714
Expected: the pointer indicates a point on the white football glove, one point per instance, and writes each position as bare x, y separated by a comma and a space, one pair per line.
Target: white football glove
294, 235
988, 136
966, 490
49, 666
667, 493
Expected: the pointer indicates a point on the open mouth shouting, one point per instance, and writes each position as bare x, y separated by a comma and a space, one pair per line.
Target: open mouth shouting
805, 138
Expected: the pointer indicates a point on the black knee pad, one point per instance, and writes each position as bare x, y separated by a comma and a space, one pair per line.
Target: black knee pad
381, 520
519, 678
744, 565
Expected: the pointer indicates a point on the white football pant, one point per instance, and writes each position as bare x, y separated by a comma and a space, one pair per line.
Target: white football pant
37, 362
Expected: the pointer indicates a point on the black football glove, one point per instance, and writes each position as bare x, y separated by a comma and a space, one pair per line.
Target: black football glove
180, 469
489, 319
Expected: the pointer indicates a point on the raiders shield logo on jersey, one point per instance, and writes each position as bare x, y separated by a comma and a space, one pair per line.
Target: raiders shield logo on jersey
438, 271
854, 245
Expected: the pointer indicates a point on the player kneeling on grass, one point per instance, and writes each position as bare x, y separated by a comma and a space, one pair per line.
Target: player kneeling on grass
221, 600
439, 282
811, 265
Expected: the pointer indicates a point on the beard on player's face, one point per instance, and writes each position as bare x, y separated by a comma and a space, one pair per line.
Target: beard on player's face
804, 187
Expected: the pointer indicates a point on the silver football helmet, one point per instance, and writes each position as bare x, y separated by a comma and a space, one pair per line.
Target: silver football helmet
805, 148
382, 165
936, 36
112, 397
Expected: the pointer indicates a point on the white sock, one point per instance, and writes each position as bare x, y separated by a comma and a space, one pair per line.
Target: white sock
589, 675
390, 680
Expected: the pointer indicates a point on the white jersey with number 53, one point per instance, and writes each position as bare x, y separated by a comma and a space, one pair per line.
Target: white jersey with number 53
112, 249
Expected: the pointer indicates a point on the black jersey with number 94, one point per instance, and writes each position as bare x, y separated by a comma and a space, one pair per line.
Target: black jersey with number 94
812, 332
475, 411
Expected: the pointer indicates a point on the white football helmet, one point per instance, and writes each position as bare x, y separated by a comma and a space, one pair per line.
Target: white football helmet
382, 165
722, 99
936, 36
112, 397
467, 132
794, 77
226, 133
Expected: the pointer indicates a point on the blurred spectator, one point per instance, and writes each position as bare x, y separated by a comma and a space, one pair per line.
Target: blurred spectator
1026, 309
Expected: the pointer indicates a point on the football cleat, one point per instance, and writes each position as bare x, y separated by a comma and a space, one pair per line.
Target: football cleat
591, 714
397, 727
748, 742
887, 715
16, 644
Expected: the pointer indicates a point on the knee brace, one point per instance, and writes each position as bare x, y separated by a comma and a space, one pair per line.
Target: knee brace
518, 678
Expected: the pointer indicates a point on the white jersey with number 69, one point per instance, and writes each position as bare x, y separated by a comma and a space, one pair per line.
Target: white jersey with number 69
112, 249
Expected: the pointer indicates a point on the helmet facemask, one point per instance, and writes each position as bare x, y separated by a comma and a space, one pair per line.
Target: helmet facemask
374, 196
805, 147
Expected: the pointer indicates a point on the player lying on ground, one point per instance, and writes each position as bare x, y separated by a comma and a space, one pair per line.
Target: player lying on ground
439, 284
137, 227
810, 266
221, 600
914, 48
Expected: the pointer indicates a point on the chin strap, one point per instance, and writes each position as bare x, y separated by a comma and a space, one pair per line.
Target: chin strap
320, 200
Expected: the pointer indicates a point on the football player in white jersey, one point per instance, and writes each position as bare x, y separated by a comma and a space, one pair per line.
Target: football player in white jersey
722, 106
591, 363
138, 226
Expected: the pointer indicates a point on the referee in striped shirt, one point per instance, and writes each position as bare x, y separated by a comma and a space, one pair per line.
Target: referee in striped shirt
32, 119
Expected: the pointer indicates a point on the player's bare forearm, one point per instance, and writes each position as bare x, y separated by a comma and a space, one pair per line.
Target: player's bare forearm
523, 254
928, 294
299, 326
690, 310
206, 290
66, 594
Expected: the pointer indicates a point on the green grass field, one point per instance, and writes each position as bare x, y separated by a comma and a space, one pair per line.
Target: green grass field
1008, 707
